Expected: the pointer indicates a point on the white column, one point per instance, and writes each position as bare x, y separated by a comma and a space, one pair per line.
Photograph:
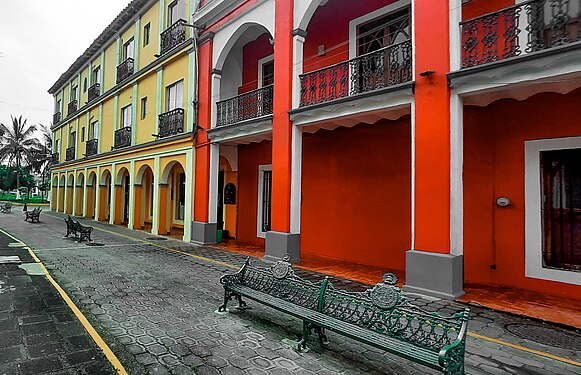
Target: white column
98, 194
156, 181
189, 202
75, 192
136, 44
413, 175
159, 98
456, 183
455, 35
189, 98
214, 166
66, 202
298, 42
131, 195
112, 193
85, 179
296, 176
52, 204
78, 141
216, 78
134, 114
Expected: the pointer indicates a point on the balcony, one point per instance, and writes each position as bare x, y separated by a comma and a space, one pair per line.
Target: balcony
56, 118
94, 92
70, 154
125, 69
54, 158
123, 137
376, 70
171, 123
72, 107
250, 105
173, 36
528, 27
91, 147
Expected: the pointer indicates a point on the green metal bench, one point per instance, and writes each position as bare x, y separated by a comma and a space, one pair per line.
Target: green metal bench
33, 216
77, 229
381, 316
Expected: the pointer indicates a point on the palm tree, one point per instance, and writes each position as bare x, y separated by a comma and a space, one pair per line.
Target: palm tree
41, 160
18, 144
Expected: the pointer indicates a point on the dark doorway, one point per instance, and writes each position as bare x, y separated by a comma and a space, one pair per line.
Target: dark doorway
220, 217
126, 200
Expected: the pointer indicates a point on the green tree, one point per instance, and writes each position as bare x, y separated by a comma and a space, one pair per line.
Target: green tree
40, 161
18, 144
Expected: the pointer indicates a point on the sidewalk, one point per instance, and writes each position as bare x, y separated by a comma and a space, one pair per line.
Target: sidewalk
38, 332
153, 300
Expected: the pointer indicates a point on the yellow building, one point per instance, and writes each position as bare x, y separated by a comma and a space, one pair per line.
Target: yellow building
123, 126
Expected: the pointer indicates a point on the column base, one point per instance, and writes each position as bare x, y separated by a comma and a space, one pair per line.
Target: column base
434, 274
204, 233
278, 244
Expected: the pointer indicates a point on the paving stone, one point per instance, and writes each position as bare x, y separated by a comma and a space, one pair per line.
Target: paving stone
10, 338
38, 366
146, 359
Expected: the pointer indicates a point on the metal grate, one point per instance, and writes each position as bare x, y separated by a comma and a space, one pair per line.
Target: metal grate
552, 336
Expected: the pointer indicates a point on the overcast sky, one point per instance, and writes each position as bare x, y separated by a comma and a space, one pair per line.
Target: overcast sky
39, 40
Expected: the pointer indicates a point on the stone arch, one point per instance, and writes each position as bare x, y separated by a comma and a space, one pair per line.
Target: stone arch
120, 173
141, 172
302, 19
167, 170
104, 175
252, 31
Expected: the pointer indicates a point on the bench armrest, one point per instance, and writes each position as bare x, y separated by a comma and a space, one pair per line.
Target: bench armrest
235, 278
451, 357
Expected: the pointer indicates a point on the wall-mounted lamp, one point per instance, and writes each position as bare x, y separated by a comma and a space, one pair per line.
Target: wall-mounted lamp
271, 41
503, 202
427, 73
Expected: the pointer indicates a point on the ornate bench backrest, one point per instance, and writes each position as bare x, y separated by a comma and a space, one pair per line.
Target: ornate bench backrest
384, 310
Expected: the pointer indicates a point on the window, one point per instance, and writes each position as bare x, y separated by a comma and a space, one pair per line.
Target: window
266, 71
175, 12
146, 32
128, 49
264, 200
94, 131
96, 75
174, 96
384, 31
83, 134
143, 107
180, 180
57, 107
57, 145
126, 113
73, 93
73, 139
85, 85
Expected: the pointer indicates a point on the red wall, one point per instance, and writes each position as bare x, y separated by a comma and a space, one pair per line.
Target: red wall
356, 194
477, 8
330, 26
249, 158
494, 167
251, 53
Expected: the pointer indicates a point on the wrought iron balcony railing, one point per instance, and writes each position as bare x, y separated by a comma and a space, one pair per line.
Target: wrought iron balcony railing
70, 154
125, 69
373, 71
55, 158
246, 106
527, 27
94, 91
172, 36
171, 123
56, 118
123, 137
91, 147
72, 107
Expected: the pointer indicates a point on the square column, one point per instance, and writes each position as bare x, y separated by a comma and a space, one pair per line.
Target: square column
162, 228
98, 200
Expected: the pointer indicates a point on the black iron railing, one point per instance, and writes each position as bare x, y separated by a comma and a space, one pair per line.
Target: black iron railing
56, 118
171, 123
123, 137
55, 158
94, 91
246, 106
172, 36
524, 28
125, 69
91, 147
373, 71
70, 153
72, 107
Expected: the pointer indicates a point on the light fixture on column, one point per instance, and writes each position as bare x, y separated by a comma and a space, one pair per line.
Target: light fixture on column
427, 73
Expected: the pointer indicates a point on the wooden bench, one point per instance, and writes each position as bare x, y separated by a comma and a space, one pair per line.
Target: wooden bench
6, 208
380, 316
78, 230
34, 215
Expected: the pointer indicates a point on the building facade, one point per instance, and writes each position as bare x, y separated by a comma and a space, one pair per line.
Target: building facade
438, 138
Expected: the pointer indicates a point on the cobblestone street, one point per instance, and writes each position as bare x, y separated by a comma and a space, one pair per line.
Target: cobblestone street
154, 303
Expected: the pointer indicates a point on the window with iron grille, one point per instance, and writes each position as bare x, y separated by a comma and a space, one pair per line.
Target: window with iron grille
146, 32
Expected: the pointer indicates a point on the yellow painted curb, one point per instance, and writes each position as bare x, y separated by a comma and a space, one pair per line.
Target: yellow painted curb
88, 327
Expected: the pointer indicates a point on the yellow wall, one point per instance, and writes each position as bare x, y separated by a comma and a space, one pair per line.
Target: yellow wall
84, 97
110, 66
125, 99
146, 127
173, 72
106, 140
127, 34
146, 54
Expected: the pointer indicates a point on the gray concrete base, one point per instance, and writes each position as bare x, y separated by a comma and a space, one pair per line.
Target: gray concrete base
278, 244
434, 274
204, 233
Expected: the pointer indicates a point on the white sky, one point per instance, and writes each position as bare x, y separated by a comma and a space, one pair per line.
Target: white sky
39, 40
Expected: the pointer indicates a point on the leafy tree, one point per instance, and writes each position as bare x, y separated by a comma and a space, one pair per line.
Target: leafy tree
18, 144
40, 161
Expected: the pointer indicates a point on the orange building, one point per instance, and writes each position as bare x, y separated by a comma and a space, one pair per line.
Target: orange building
439, 138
